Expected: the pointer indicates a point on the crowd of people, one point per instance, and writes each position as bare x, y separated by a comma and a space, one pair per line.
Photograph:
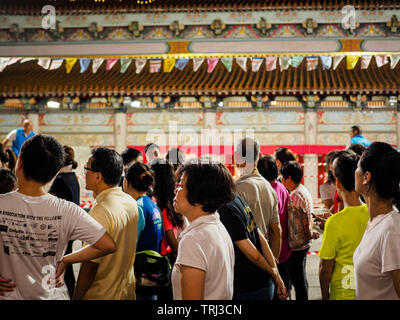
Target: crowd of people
225, 237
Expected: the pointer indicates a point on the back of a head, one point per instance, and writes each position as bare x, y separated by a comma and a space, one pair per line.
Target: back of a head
292, 169
357, 148
175, 156
139, 176
109, 163
383, 162
129, 155
42, 157
164, 182
208, 184
284, 155
356, 130
70, 157
267, 167
346, 166
8, 181
247, 150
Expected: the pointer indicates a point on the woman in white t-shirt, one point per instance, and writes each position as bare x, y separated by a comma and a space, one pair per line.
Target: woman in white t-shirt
205, 262
377, 258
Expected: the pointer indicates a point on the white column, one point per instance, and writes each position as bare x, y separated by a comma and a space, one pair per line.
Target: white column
34, 117
311, 160
120, 131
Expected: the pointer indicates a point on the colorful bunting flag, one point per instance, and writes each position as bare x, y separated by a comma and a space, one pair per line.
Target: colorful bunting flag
284, 62
270, 63
155, 65
351, 61
381, 59
110, 63
97, 62
227, 62
140, 63
336, 61
13, 60
56, 63
125, 63
84, 62
181, 63
169, 64
312, 63
27, 59
365, 60
197, 63
326, 62
69, 64
394, 59
242, 62
44, 62
256, 64
212, 62
3, 63
295, 61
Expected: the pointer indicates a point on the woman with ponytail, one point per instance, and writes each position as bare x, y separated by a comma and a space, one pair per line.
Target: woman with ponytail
377, 258
66, 186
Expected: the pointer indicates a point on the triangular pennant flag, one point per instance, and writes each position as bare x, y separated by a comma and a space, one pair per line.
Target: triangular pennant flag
365, 60
336, 61
295, 61
26, 60
169, 64
140, 63
394, 60
326, 62
97, 62
312, 63
155, 65
110, 63
212, 62
125, 63
227, 62
84, 62
242, 62
56, 63
3, 63
181, 63
256, 64
284, 62
69, 64
13, 60
351, 61
270, 63
44, 62
381, 59
197, 63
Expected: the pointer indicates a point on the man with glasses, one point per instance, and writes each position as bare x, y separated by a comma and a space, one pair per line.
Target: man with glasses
111, 278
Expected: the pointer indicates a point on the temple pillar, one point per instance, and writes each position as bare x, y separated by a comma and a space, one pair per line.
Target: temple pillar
120, 131
34, 117
311, 160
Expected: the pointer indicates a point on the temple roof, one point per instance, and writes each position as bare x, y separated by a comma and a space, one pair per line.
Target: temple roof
125, 6
31, 80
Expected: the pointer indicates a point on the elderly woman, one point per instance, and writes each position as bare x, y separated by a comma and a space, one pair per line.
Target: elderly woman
377, 258
205, 263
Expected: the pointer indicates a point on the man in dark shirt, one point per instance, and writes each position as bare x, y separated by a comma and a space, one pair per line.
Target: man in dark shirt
256, 274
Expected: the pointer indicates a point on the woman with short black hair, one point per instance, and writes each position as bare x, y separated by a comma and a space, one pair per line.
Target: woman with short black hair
377, 258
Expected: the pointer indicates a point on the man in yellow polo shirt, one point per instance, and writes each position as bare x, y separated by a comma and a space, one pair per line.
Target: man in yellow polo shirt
110, 277
342, 234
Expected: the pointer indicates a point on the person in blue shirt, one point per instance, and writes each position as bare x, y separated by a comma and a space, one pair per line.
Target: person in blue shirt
18, 136
357, 138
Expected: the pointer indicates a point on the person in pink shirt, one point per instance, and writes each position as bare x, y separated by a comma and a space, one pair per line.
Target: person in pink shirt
269, 170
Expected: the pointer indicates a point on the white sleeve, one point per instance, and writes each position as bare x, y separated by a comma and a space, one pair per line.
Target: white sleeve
12, 135
390, 252
81, 226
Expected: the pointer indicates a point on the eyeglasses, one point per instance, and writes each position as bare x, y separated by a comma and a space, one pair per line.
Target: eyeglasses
90, 169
